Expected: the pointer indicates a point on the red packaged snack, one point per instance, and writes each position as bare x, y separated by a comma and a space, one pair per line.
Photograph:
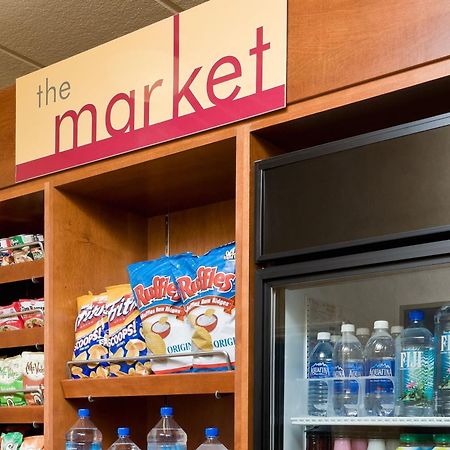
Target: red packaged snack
35, 319
13, 322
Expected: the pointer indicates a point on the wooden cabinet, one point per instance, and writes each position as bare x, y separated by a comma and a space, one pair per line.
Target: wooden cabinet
196, 193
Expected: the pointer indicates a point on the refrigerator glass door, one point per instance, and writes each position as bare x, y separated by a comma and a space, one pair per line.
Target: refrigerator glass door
303, 307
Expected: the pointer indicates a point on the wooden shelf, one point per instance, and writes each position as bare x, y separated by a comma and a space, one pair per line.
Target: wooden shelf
22, 338
22, 271
22, 414
132, 386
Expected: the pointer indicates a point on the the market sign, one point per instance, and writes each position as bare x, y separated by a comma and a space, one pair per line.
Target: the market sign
217, 63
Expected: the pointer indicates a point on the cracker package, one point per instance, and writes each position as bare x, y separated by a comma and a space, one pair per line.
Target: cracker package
11, 378
10, 323
35, 319
207, 287
163, 317
91, 336
33, 443
33, 376
11, 441
125, 332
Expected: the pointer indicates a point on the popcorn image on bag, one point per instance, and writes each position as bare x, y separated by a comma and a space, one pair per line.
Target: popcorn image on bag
33, 443
11, 370
91, 336
165, 329
10, 323
33, 376
34, 319
125, 332
207, 287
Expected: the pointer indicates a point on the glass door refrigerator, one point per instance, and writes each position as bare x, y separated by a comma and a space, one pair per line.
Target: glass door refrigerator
352, 242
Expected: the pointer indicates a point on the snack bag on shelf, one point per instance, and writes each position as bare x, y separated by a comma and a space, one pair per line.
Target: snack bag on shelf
4, 243
33, 443
22, 239
34, 319
33, 376
11, 378
125, 332
91, 336
163, 317
10, 323
11, 441
207, 287
6, 257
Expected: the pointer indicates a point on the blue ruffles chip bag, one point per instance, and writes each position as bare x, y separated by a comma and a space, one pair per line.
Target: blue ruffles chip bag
91, 336
164, 325
207, 287
125, 332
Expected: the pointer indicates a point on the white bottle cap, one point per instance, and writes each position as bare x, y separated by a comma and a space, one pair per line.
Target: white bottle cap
381, 325
396, 329
347, 328
362, 332
323, 336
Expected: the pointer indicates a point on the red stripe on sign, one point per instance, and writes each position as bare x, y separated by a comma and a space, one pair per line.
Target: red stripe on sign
215, 116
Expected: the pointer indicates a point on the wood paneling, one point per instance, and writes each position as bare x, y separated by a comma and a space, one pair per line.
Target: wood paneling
22, 414
22, 338
333, 44
22, 271
7, 135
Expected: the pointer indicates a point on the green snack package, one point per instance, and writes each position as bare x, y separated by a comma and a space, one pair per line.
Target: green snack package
11, 441
11, 377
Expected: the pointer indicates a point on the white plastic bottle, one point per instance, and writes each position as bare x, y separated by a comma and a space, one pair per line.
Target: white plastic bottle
167, 434
363, 335
348, 363
380, 361
83, 435
124, 442
212, 440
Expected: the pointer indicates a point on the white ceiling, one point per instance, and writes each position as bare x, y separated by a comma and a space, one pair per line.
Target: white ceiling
37, 33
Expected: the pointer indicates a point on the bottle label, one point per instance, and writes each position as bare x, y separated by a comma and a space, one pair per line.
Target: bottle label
77, 446
321, 369
349, 369
166, 447
444, 349
417, 374
380, 368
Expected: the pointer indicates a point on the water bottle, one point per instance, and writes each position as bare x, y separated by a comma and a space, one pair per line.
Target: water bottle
83, 435
212, 440
334, 338
320, 366
124, 442
363, 335
396, 331
415, 368
442, 338
380, 361
348, 363
167, 434
441, 441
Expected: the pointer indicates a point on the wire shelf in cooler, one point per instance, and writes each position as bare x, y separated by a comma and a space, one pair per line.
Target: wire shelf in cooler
373, 421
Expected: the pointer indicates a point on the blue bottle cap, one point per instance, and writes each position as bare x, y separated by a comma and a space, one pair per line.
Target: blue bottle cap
166, 411
211, 432
416, 315
83, 413
123, 432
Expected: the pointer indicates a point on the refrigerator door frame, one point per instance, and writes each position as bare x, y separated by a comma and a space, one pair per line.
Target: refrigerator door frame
326, 149
267, 425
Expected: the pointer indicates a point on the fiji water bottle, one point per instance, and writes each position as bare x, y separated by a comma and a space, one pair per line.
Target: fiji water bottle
348, 363
380, 361
124, 442
167, 434
212, 440
415, 369
442, 340
320, 366
83, 435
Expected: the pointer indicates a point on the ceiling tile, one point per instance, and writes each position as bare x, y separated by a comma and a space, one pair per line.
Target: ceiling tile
10, 69
50, 30
186, 4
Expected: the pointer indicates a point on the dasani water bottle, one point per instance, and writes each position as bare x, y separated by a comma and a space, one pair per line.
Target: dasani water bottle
167, 434
83, 435
212, 440
124, 442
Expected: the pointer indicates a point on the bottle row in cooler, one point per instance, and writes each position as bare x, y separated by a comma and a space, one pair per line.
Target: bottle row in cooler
407, 377
324, 440
166, 434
